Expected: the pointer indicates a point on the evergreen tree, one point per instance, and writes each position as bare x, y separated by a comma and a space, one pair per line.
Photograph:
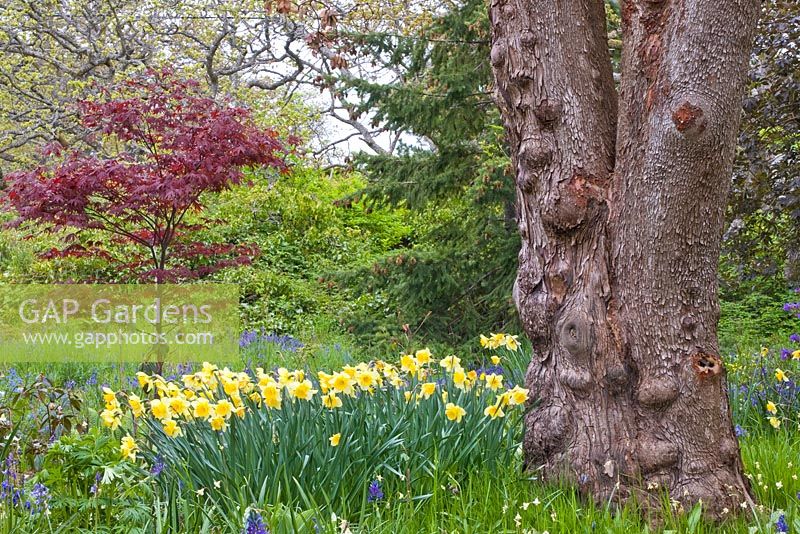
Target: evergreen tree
453, 278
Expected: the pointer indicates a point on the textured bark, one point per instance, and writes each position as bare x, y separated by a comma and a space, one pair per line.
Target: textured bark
621, 217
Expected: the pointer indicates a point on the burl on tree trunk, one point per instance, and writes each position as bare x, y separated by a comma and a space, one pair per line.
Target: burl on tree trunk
621, 197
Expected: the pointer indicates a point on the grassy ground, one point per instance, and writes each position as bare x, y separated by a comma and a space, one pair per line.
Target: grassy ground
474, 499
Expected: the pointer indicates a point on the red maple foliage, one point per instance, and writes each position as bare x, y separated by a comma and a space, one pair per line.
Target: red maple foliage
160, 144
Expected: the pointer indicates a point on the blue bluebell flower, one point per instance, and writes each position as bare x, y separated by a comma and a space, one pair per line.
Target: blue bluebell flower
157, 467
254, 524
781, 525
374, 492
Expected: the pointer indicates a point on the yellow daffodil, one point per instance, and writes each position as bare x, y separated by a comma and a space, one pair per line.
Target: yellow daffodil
495, 360
223, 408
137, 408
407, 395
450, 362
284, 376
427, 389
494, 411
504, 399
218, 423
781, 376
771, 408
423, 356
517, 395
230, 387
459, 377
494, 382
350, 371
495, 340
367, 380
335, 439
159, 409
265, 379
408, 364
331, 401
764, 351
511, 343
303, 390
202, 408
796, 355
171, 428
110, 419
397, 382
324, 381
128, 448
271, 394
179, 406
191, 381
775, 422
454, 412
109, 396
484, 341
144, 381
343, 383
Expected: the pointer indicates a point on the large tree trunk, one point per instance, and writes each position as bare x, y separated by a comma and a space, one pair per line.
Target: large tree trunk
621, 217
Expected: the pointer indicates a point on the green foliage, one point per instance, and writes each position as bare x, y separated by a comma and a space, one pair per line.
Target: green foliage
453, 276
303, 232
765, 198
756, 318
92, 485
33, 413
753, 286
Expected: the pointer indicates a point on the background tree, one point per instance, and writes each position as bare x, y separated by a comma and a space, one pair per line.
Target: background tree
621, 200
163, 147
453, 276
264, 54
762, 239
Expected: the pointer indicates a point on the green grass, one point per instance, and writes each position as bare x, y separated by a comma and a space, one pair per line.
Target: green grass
490, 501
480, 499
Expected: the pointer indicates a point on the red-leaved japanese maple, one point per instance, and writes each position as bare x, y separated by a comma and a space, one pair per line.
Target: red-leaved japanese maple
160, 145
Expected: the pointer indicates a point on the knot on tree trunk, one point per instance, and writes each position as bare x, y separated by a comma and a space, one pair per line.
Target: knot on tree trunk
575, 336
577, 379
655, 454
575, 202
548, 112
535, 153
546, 435
657, 392
689, 119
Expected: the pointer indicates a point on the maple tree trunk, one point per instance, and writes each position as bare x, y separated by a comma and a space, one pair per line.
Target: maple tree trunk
621, 197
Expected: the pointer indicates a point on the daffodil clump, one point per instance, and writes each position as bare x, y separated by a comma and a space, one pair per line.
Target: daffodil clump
783, 384
767, 394
281, 433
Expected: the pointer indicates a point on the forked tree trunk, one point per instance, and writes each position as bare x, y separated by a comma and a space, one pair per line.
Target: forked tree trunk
621, 199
